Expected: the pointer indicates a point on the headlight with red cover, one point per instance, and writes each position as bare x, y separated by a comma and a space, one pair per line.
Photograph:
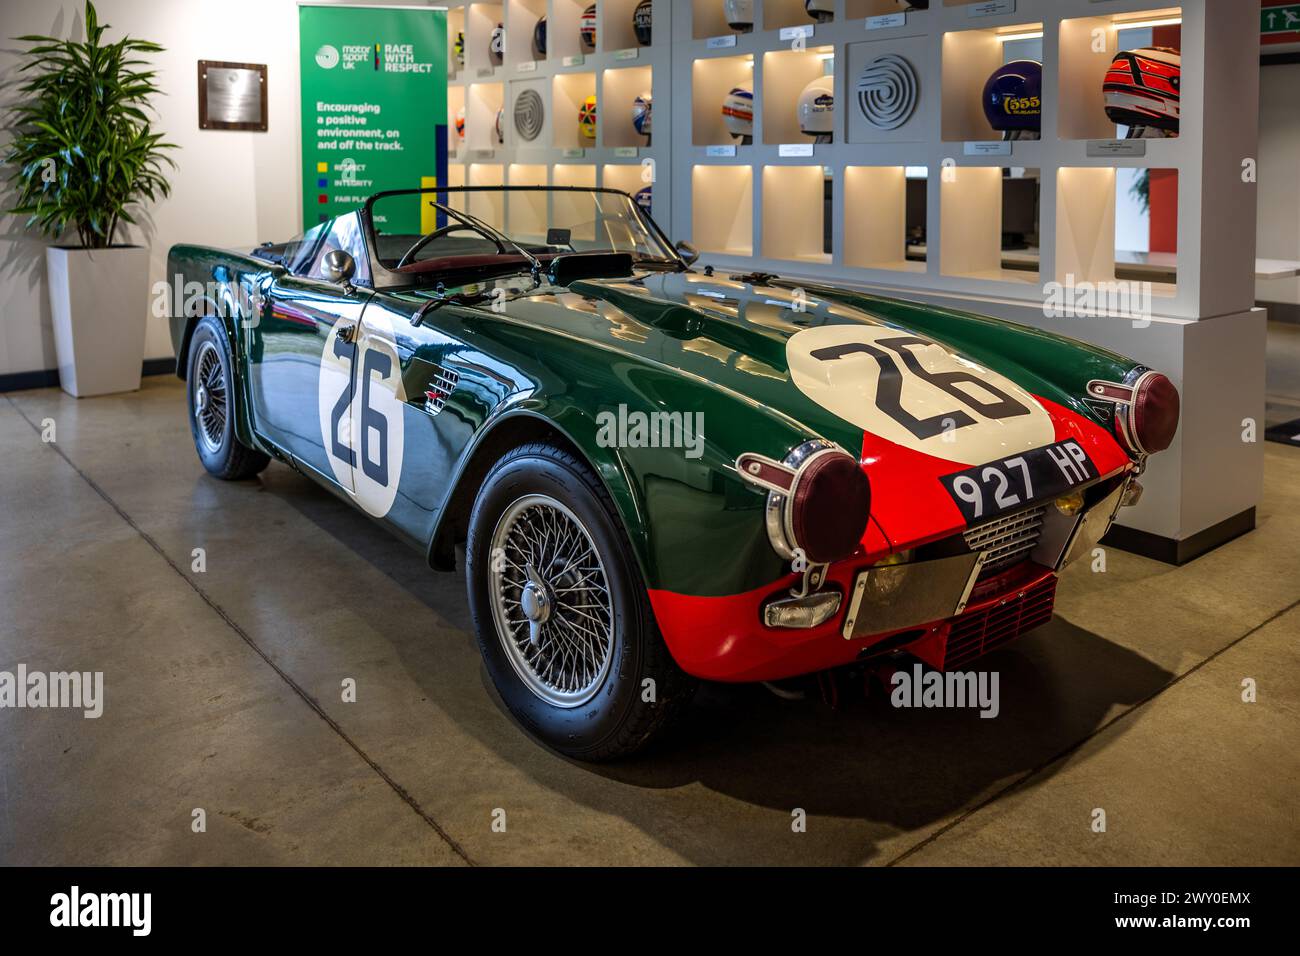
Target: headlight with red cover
819, 500
1146, 411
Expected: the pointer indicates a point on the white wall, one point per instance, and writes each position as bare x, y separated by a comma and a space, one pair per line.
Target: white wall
230, 188
1278, 230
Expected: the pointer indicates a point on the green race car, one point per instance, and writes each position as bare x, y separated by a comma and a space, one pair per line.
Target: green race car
660, 474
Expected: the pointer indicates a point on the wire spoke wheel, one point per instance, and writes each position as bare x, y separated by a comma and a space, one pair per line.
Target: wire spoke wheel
551, 600
209, 397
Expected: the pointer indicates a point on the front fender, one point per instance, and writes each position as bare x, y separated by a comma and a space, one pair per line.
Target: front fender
693, 524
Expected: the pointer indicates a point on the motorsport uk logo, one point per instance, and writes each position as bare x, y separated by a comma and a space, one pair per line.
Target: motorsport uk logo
383, 57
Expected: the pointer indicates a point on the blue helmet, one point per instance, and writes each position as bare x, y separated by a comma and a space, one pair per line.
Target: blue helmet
1013, 97
642, 198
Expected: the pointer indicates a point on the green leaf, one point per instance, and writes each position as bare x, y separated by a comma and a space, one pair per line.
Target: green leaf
85, 105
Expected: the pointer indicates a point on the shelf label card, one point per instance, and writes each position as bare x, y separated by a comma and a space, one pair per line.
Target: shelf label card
625, 151
718, 43
631, 53
574, 60
573, 152
484, 153
719, 151
795, 149
886, 21
791, 33
992, 147
1117, 147
528, 66
485, 71
991, 8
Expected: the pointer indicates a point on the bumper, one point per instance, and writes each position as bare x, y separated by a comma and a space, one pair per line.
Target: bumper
724, 639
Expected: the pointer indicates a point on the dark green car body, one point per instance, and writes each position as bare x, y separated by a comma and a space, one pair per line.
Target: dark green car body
475, 378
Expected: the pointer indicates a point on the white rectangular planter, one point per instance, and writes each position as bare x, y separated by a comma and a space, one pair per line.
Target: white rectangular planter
99, 304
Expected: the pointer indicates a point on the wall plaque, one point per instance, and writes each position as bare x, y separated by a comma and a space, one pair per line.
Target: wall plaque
232, 95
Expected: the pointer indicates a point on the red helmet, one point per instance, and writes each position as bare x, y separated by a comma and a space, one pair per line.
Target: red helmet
1141, 88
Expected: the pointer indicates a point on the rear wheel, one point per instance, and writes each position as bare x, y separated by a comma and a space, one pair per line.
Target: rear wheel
562, 617
212, 409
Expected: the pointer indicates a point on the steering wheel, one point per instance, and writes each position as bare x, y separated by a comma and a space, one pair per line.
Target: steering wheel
444, 230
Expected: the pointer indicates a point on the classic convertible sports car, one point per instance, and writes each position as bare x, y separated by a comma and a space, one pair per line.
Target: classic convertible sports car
661, 474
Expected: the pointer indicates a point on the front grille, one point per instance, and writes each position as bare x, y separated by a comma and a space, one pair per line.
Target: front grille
1006, 540
978, 632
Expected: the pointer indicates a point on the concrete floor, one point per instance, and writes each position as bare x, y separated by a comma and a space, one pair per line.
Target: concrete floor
223, 693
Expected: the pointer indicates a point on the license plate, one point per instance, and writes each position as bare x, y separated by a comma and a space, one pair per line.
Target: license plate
986, 491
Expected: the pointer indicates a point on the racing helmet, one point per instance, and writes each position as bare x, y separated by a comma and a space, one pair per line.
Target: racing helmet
460, 124
641, 113
501, 135
641, 18
738, 112
817, 107
642, 198
587, 28
1013, 99
587, 119
739, 14
539, 37
820, 10
1142, 88
497, 45
458, 49
913, 4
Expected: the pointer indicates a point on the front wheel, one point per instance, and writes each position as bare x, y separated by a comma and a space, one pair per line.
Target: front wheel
212, 410
562, 617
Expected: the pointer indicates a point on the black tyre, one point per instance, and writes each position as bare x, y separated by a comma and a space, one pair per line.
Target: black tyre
212, 399
562, 616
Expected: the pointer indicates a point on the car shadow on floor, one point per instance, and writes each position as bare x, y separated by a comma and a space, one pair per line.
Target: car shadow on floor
870, 767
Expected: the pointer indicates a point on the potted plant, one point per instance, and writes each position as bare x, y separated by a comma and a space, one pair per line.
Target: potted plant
83, 156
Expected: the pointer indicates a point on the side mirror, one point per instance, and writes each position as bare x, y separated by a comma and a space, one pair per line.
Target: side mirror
338, 266
687, 251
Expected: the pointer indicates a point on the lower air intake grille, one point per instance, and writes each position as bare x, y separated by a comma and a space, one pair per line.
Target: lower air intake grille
978, 632
1008, 539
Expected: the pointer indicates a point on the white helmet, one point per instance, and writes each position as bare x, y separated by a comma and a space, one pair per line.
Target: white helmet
820, 10
497, 45
738, 112
739, 13
817, 107
641, 113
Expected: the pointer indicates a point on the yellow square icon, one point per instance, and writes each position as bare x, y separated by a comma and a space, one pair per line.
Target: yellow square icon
322, 167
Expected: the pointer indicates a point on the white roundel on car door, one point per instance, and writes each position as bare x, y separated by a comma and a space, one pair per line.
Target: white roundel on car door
363, 433
916, 393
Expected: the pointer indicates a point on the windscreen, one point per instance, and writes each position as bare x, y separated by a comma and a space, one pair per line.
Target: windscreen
542, 220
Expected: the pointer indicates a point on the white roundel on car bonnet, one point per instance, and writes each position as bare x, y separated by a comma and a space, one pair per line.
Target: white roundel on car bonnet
914, 392
363, 433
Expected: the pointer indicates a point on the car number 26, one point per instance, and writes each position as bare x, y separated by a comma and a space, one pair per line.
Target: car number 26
360, 402
997, 486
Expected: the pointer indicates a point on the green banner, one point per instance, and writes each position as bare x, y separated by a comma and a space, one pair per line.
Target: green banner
374, 107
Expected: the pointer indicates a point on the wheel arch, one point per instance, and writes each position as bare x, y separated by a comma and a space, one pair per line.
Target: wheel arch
202, 308
520, 426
